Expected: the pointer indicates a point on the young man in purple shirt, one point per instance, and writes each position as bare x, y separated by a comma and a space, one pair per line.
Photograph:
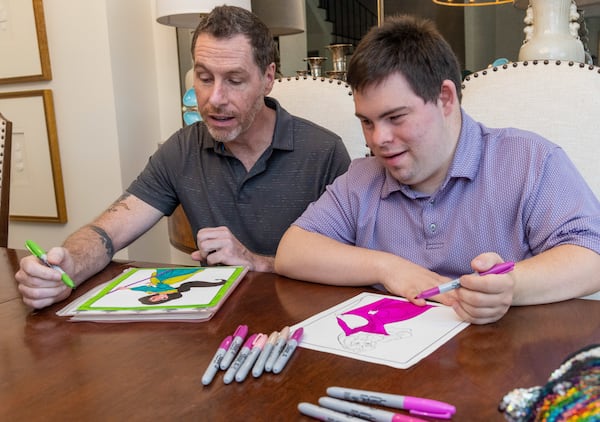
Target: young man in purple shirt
444, 196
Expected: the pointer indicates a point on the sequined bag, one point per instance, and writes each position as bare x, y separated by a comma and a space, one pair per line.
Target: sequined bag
572, 393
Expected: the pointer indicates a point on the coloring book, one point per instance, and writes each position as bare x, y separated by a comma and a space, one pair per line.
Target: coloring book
382, 329
158, 294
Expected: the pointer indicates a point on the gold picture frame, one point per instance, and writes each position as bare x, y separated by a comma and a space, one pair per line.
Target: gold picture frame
25, 56
36, 182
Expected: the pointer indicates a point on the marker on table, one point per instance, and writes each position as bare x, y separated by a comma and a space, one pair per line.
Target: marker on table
35, 249
257, 346
281, 340
366, 412
415, 405
213, 367
239, 359
238, 338
324, 414
259, 366
502, 268
291, 345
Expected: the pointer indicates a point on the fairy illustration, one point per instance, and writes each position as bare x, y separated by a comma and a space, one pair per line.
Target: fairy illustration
161, 288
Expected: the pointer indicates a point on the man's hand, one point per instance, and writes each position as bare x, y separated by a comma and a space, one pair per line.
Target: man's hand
217, 245
40, 285
484, 299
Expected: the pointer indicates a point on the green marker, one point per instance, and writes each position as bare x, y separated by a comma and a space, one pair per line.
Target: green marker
35, 249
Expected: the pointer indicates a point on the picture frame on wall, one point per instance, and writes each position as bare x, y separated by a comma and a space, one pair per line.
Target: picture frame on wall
23, 43
36, 182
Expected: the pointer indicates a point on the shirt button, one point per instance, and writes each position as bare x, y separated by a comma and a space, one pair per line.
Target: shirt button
432, 227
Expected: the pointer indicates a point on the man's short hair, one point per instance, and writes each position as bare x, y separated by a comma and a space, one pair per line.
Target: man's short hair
410, 46
228, 21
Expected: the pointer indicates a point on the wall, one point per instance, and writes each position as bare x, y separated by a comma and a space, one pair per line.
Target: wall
115, 88
492, 32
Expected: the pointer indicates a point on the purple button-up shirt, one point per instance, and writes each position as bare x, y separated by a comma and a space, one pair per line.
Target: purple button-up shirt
507, 191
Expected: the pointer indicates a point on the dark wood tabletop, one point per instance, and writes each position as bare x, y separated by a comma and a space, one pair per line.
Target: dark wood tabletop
54, 369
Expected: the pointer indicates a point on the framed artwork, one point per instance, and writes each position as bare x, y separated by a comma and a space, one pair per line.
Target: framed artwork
23, 42
36, 183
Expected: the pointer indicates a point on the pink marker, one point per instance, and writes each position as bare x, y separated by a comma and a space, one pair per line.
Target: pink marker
502, 268
416, 405
239, 359
366, 412
238, 338
257, 346
213, 367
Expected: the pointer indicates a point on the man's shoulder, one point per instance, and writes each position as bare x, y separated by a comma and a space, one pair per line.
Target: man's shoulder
319, 133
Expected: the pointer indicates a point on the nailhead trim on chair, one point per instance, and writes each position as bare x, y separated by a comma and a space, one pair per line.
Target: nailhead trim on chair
322, 79
526, 63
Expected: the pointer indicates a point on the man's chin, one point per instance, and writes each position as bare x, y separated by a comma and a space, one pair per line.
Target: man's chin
222, 135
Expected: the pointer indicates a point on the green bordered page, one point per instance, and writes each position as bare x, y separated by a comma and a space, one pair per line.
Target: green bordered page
159, 294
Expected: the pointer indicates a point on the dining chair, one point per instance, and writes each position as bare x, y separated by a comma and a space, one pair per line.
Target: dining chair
560, 100
5, 148
326, 102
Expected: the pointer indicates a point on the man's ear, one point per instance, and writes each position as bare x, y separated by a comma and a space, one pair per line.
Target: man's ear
448, 96
269, 78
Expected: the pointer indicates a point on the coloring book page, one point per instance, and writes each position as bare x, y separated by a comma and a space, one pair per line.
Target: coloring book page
382, 329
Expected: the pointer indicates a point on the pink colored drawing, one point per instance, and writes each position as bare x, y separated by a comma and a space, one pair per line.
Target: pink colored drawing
380, 313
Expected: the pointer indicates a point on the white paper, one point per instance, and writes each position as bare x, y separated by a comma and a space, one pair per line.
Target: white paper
404, 344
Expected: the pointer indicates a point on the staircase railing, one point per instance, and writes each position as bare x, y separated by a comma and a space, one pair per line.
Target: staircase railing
350, 19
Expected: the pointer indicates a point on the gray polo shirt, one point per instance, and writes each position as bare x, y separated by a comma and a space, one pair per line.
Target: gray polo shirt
215, 189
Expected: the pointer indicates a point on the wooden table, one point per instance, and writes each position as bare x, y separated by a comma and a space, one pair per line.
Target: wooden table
53, 369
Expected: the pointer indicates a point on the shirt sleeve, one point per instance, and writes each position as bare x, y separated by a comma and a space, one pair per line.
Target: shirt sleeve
155, 184
562, 208
333, 214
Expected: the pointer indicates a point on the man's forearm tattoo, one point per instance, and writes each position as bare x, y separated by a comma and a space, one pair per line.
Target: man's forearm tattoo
119, 203
106, 240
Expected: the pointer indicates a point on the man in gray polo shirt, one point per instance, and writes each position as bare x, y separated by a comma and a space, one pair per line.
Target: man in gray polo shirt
242, 175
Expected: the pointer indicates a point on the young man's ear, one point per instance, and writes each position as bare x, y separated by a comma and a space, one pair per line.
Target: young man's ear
448, 96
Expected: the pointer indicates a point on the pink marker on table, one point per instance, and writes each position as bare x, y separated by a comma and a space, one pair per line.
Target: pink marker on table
415, 405
239, 359
213, 367
257, 347
238, 338
502, 268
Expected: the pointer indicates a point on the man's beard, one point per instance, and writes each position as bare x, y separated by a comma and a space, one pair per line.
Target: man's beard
231, 135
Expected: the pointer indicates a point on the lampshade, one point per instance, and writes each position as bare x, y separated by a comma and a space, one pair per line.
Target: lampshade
281, 17
186, 13
464, 3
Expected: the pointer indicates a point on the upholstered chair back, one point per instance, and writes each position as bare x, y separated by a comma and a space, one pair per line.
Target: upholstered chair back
326, 102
